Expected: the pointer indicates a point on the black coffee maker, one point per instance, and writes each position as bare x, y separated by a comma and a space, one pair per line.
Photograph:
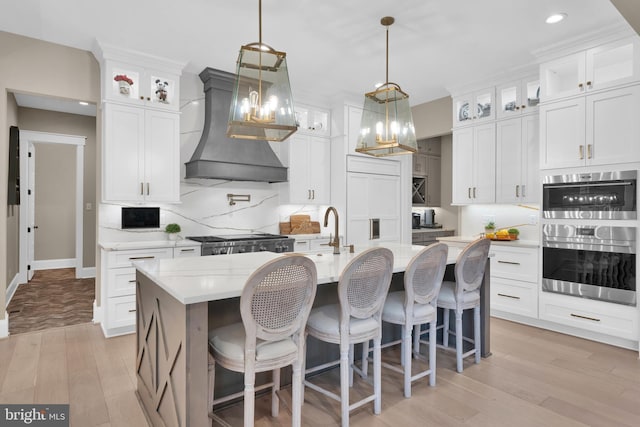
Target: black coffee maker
416, 220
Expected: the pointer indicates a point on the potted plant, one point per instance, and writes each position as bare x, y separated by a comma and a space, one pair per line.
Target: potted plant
124, 83
172, 230
513, 233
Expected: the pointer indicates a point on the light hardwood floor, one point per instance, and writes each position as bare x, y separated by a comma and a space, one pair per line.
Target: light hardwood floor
533, 378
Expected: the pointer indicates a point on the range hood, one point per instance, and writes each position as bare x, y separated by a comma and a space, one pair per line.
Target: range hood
219, 157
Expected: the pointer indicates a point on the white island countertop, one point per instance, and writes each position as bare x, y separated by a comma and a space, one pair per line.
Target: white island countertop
197, 279
512, 243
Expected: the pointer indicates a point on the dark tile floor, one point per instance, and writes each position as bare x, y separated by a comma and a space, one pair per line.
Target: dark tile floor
51, 299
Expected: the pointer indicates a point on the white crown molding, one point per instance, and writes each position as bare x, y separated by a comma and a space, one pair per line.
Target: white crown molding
105, 51
585, 41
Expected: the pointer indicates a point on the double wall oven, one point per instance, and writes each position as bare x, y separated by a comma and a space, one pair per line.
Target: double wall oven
588, 243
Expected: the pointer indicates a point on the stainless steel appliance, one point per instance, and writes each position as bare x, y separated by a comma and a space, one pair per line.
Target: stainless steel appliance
596, 195
429, 218
595, 262
241, 243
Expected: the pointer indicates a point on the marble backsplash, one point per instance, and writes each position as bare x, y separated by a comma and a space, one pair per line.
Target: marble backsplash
204, 208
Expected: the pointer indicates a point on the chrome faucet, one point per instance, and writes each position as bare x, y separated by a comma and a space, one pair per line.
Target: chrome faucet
336, 239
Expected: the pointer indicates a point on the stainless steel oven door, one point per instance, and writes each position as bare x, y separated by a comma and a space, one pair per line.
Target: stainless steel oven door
595, 262
598, 195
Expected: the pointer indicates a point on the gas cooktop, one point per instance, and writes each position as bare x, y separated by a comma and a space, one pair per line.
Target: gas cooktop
236, 237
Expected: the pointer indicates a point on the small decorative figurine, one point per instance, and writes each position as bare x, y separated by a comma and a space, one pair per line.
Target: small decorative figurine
161, 91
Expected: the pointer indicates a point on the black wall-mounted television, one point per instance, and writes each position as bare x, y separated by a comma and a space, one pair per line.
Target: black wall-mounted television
13, 183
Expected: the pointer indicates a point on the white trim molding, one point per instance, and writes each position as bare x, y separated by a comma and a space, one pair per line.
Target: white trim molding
87, 273
4, 326
52, 264
97, 313
11, 289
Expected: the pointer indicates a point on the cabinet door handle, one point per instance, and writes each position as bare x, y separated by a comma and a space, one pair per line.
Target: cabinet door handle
523, 106
508, 262
142, 98
133, 258
313, 194
523, 187
585, 317
469, 191
580, 85
142, 188
517, 191
508, 296
589, 83
474, 192
148, 187
582, 152
308, 194
588, 151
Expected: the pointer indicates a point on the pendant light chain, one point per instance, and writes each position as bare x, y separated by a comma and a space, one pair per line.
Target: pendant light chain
260, 52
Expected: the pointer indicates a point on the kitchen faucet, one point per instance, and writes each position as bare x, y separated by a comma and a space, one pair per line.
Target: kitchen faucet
336, 240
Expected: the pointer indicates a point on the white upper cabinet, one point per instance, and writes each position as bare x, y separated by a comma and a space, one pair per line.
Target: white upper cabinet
518, 97
517, 172
474, 107
309, 161
140, 155
598, 129
474, 165
312, 120
602, 67
141, 86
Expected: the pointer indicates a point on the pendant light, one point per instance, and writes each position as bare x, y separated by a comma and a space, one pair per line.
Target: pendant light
262, 105
387, 128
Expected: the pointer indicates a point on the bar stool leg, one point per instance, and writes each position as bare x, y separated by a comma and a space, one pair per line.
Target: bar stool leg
459, 349
445, 329
432, 353
365, 359
476, 331
249, 397
296, 394
275, 400
344, 383
351, 362
406, 361
377, 375
416, 339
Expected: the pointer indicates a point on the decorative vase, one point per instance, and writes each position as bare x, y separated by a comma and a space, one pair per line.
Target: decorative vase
125, 87
173, 236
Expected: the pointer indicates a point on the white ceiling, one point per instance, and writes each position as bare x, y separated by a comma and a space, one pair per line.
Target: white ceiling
54, 104
331, 46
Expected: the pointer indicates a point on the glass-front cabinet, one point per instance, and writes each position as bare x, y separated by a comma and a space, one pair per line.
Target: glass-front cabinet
474, 107
312, 120
135, 85
601, 67
518, 97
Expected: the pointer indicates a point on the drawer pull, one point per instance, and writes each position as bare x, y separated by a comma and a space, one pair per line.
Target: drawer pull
133, 310
132, 258
132, 281
508, 262
508, 296
187, 250
585, 317
301, 243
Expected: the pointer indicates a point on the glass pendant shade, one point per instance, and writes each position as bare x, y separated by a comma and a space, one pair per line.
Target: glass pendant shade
261, 105
387, 124
387, 128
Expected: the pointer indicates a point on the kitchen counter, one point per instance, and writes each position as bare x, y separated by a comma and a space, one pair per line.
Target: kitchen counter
511, 243
199, 279
123, 246
432, 230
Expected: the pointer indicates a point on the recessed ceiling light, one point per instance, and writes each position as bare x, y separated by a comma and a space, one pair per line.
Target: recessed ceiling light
83, 103
555, 18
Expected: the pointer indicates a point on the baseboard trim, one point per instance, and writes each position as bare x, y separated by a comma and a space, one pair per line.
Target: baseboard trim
97, 313
87, 273
52, 264
11, 289
4, 326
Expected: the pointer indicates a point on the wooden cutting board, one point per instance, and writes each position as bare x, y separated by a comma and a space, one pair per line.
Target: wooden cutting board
307, 227
298, 220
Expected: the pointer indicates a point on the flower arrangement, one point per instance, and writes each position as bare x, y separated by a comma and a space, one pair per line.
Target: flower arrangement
123, 78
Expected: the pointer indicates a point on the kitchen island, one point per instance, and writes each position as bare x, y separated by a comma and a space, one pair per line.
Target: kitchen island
179, 300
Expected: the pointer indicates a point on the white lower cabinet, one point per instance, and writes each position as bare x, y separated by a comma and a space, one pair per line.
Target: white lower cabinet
118, 284
514, 283
596, 316
306, 244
